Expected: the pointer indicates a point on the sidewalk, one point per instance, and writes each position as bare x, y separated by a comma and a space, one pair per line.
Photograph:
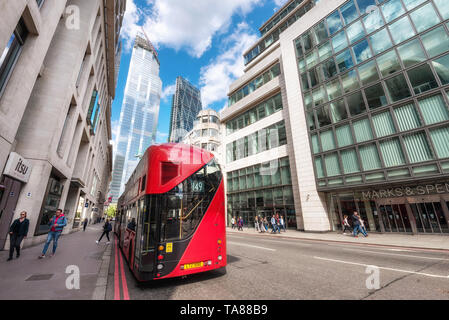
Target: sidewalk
424, 241
31, 278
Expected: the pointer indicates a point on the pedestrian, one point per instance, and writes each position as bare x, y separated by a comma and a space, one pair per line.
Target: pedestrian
346, 225
57, 223
85, 222
18, 231
356, 225
233, 222
282, 222
362, 225
261, 225
240, 224
132, 225
256, 224
106, 229
265, 223
278, 223
273, 224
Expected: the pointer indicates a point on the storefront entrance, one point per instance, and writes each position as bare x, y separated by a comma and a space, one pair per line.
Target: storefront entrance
417, 214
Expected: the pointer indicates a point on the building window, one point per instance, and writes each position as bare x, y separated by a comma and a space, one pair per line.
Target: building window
11, 53
50, 204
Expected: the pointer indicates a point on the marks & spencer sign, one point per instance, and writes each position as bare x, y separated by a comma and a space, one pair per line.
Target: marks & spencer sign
17, 167
420, 190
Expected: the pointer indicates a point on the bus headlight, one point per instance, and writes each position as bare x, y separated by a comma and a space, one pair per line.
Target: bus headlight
220, 258
160, 266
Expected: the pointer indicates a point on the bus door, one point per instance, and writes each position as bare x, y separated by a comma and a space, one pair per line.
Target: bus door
148, 233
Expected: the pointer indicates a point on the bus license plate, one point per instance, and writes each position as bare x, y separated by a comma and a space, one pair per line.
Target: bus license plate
193, 265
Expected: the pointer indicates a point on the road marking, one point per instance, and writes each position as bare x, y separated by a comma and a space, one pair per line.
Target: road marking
124, 283
400, 255
116, 273
385, 268
248, 245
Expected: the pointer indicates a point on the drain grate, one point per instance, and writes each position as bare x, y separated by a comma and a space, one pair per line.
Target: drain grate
39, 277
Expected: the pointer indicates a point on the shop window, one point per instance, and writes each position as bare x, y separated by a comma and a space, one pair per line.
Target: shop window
50, 204
397, 88
369, 157
425, 17
407, 117
372, 177
398, 174
380, 41
356, 104
388, 63
353, 180
392, 9
401, 30
425, 170
362, 130
433, 109
362, 51
417, 147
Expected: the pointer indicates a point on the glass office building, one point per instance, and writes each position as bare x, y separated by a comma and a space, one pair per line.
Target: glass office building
139, 113
375, 86
186, 104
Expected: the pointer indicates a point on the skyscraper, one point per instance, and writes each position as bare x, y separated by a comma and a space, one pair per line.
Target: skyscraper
186, 104
139, 114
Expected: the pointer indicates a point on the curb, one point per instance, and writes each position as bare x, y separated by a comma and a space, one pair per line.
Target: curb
102, 280
354, 243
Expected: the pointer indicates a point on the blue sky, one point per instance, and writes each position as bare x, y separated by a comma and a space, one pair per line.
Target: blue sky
200, 40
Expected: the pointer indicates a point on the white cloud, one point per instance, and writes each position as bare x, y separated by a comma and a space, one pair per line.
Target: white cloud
181, 24
167, 92
216, 77
279, 3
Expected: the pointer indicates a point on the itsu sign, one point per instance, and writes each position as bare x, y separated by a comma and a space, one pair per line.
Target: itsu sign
17, 167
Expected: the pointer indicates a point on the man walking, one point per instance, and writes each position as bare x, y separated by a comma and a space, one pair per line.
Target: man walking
85, 222
106, 229
274, 225
356, 224
18, 231
57, 223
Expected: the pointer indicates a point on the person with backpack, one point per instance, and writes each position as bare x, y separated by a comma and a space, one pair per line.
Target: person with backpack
106, 229
57, 224
240, 224
18, 231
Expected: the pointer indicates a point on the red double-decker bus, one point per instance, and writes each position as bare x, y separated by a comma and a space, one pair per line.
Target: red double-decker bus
171, 217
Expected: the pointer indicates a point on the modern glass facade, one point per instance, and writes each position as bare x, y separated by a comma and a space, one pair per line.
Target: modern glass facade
374, 77
139, 114
265, 139
185, 107
255, 84
263, 190
375, 88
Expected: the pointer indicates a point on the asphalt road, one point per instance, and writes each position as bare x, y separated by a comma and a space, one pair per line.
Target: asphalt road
260, 267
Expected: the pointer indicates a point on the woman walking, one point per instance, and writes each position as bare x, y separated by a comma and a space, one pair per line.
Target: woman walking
346, 225
18, 231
